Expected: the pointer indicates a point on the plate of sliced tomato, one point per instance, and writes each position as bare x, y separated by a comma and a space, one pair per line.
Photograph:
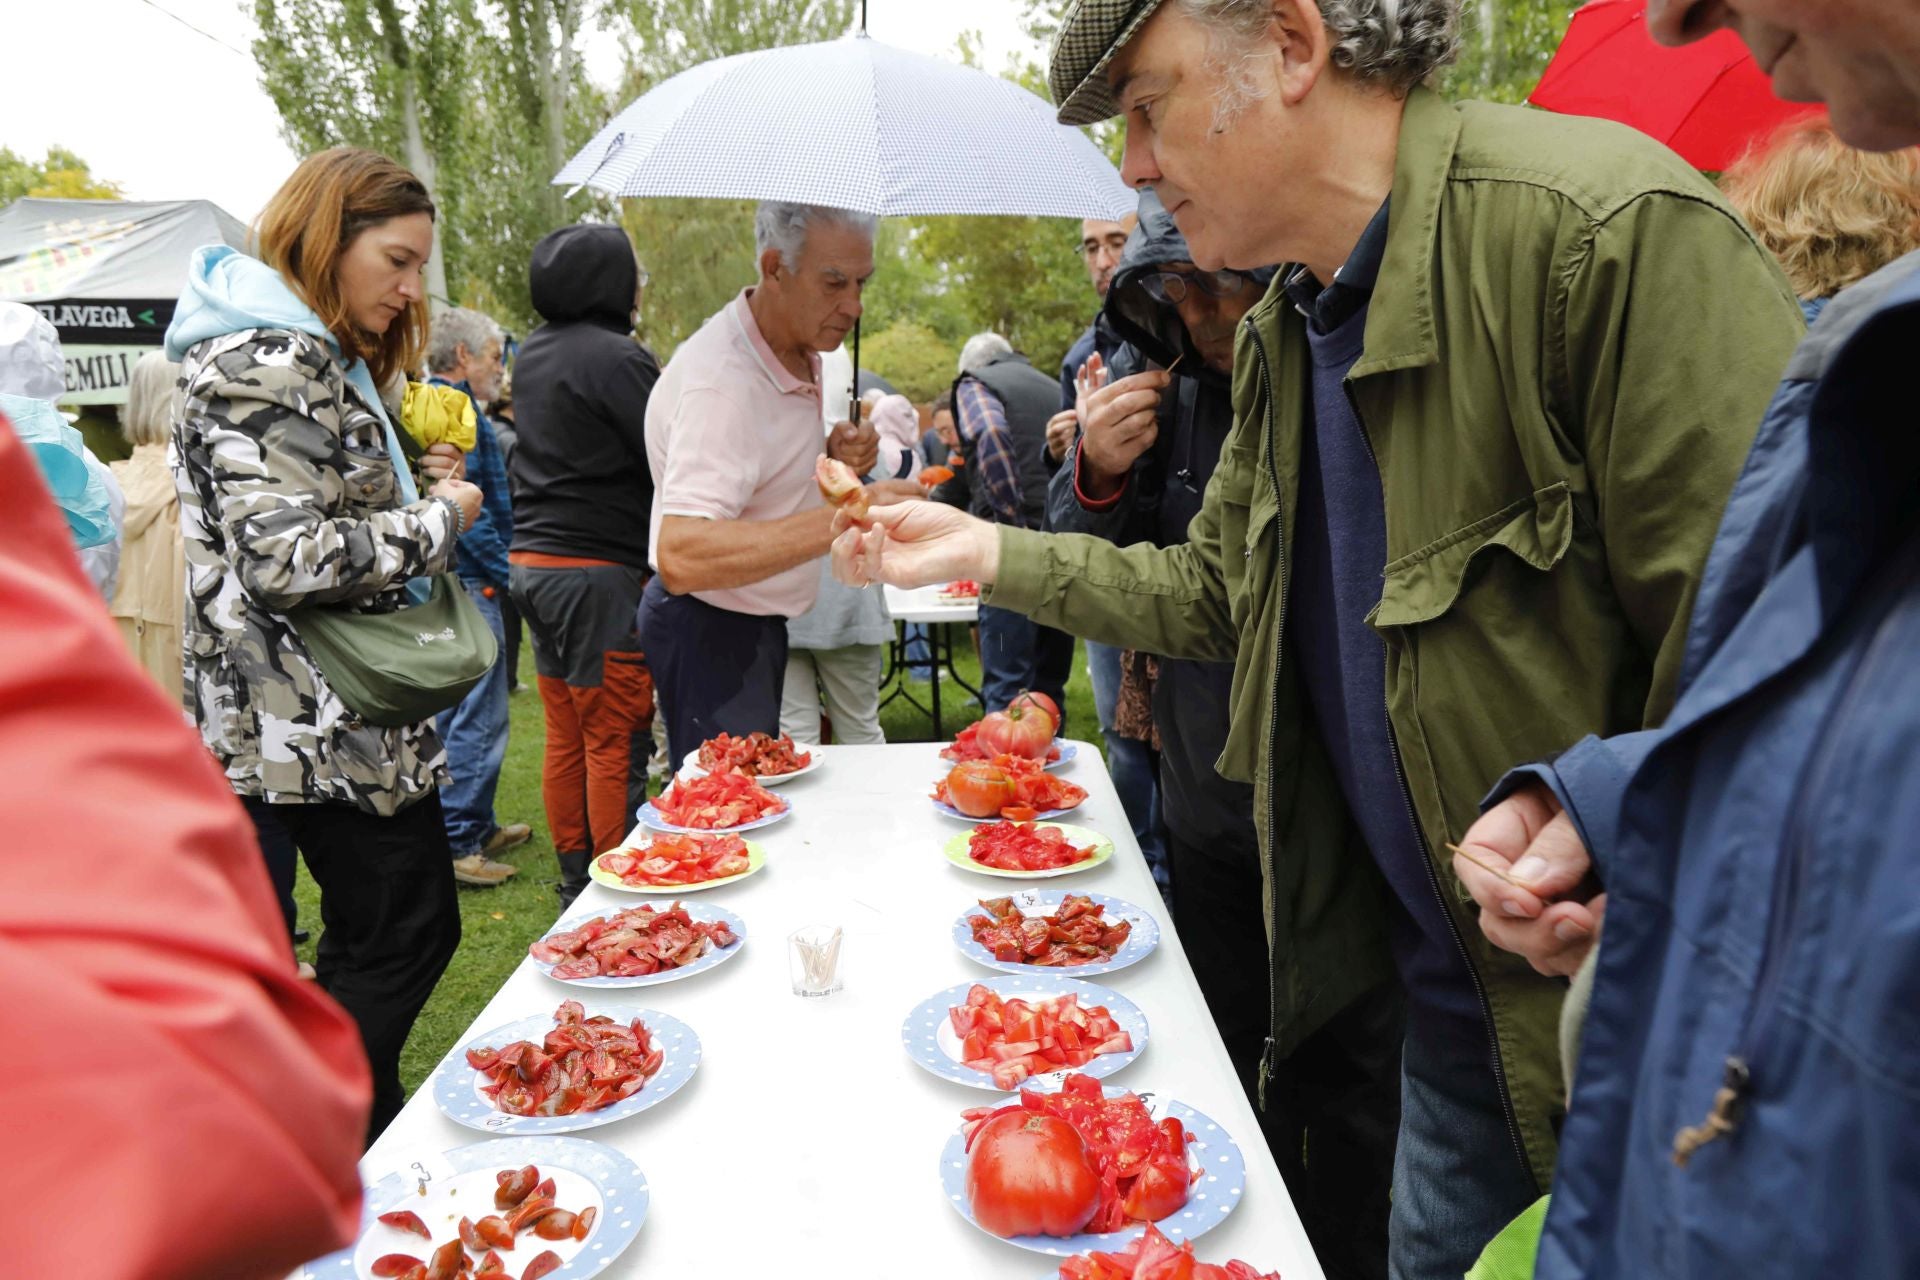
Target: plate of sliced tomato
590, 1065
1081, 934
1126, 1130
678, 862
1151, 1256
766, 759
600, 1194
657, 942
1016, 1027
1028, 850
717, 802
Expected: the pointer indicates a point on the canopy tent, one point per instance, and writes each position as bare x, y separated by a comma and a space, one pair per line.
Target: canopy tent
107, 273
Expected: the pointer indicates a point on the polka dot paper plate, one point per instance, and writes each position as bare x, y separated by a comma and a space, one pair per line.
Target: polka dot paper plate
1219, 1182
702, 911
443, 1187
1142, 938
456, 1086
930, 1040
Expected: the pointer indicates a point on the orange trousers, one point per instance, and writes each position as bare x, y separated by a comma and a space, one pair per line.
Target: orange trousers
598, 738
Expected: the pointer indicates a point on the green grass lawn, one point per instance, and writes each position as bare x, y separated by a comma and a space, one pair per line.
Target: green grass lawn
497, 924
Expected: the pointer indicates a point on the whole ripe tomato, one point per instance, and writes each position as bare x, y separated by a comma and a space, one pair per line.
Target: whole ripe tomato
1028, 700
980, 789
1029, 1175
1017, 731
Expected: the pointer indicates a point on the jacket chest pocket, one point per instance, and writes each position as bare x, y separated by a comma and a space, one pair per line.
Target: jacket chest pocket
1431, 582
366, 470
1481, 663
1249, 546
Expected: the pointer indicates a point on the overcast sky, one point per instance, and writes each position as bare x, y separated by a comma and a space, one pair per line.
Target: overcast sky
170, 114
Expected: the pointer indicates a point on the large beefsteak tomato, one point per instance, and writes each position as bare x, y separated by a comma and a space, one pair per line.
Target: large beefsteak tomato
980, 789
1029, 1175
1028, 700
1017, 731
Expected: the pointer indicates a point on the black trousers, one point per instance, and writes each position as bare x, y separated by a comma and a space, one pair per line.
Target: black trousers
390, 922
1333, 1104
716, 671
279, 853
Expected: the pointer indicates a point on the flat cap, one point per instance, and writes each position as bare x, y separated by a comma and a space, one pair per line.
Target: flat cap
1093, 32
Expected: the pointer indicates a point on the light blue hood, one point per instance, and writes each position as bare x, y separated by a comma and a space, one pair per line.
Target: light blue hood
228, 292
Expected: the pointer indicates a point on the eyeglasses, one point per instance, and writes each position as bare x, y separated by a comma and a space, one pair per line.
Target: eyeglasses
1171, 286
644, 277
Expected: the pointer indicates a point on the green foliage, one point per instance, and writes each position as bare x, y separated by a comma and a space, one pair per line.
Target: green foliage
61, 176
917, 361
1504, 46
699, 254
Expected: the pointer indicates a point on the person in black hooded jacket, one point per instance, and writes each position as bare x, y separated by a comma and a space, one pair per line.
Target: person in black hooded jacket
582, 494
1331, 1110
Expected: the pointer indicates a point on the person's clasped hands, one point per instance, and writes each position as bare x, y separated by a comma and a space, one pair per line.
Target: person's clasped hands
1545, 908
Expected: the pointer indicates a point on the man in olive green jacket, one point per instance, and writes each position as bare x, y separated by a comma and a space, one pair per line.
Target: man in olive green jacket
1562, 341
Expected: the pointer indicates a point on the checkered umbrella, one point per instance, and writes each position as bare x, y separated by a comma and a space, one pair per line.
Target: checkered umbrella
853, 124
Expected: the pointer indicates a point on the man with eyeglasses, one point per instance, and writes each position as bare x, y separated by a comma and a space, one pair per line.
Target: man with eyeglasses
1478, 462
1149, 446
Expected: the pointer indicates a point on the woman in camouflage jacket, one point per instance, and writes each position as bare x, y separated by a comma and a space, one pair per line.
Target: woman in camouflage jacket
283, 457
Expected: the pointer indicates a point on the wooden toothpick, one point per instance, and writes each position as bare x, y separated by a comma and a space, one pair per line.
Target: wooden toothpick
1485, 866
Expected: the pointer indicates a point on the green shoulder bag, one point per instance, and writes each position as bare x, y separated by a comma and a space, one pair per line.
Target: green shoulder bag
401, 668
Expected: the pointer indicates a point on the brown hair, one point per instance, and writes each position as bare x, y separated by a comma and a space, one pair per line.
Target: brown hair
1832, 214
330, 199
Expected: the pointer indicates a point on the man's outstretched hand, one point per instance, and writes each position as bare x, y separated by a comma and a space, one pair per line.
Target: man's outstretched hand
915, 544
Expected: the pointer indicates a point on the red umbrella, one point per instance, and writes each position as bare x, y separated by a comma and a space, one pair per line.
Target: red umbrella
1708, 100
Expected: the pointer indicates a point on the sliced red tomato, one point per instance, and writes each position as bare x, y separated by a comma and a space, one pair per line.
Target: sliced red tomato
1022, 846
757, 755
1011, 1040
1152, 1256
717, 802
1076, 933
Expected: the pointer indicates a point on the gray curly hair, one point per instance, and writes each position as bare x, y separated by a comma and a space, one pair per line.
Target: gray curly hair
454, 328
1394, 43
784, 226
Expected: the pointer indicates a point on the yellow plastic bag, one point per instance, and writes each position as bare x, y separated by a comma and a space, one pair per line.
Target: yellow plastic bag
434, 414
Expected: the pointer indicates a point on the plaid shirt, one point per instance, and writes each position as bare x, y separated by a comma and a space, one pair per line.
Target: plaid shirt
983, 424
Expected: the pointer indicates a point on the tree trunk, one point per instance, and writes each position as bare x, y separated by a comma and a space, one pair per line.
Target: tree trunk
421, 162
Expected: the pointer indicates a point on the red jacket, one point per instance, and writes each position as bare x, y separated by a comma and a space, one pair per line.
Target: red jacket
182, 1105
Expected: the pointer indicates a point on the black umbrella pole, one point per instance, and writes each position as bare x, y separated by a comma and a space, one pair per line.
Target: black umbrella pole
853, 406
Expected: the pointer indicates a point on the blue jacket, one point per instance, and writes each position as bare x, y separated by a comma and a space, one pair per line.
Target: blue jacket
1762, 865
482, 550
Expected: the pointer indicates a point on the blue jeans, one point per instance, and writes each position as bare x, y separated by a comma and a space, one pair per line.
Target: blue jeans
919, 651
476, 736
1457, 1180
1017, 655
1131, 764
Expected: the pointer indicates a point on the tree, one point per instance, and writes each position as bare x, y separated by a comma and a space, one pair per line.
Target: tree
916, 360
61, 176
1504, 46
483, 99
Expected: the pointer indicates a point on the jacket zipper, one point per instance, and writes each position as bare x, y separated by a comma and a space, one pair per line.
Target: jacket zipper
1269, 1063
1433, 875
1730, 1099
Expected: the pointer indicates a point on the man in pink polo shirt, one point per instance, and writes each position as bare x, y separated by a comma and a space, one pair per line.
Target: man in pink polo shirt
733, 433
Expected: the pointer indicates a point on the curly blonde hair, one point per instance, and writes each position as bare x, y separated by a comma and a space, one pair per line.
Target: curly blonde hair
1832, 214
